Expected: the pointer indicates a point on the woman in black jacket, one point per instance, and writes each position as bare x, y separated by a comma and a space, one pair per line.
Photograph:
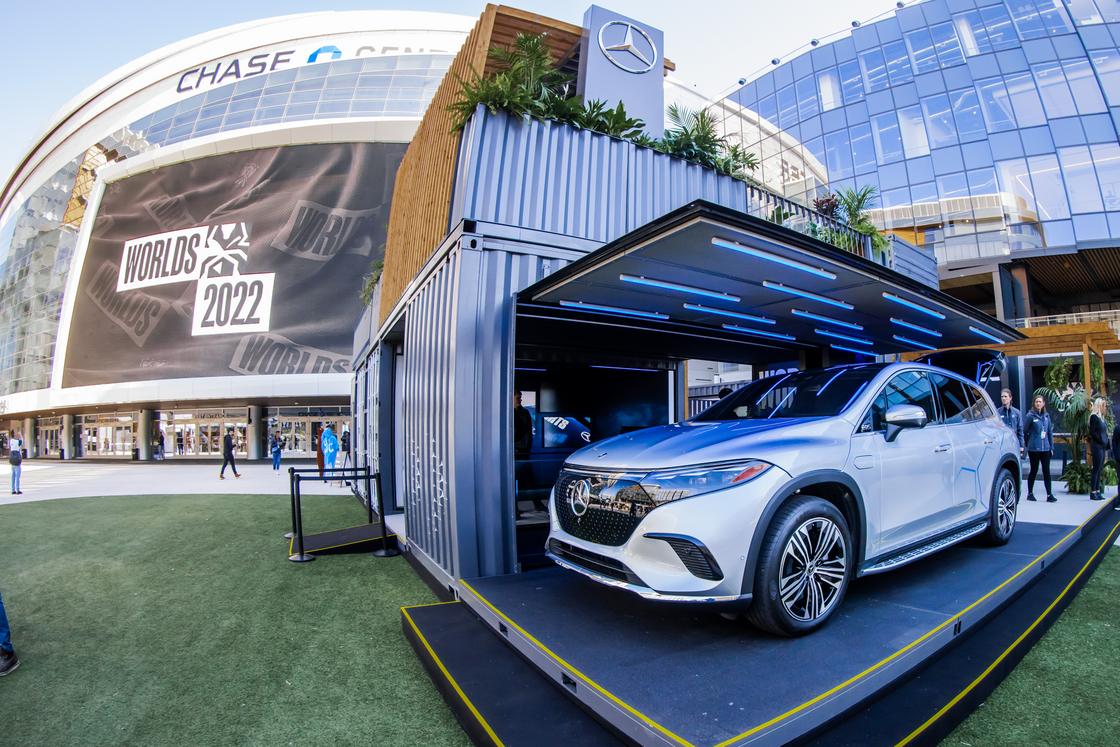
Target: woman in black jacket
1038, 434
1098, 443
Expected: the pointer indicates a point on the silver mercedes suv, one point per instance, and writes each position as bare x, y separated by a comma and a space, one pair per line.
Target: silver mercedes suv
777, 495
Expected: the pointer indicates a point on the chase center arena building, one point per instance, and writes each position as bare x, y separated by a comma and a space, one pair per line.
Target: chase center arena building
184, 247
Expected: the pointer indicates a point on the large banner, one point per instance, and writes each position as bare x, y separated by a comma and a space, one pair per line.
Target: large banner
240, 264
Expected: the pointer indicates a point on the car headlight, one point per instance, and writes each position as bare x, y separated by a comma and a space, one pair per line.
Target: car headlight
673, 485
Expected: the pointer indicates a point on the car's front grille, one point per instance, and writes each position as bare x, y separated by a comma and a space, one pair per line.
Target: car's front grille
593, 562
611, 508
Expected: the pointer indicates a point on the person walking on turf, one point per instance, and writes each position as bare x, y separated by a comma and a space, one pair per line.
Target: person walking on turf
8, 659
1098, 444
275, 447
15, 459
227, 455
1011, 417
1038, 432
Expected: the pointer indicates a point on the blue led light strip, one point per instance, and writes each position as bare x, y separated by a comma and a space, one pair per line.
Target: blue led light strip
914, 343
760, 333
982, 333
678, 287
529, 369
912, 305
834, 346
915, 327
774, 258
807, 294
734, 314
624, 368
826, 319
841, 336
613, 310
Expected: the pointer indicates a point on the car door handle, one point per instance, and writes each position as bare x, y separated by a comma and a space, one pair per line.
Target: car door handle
989, 441
943, 447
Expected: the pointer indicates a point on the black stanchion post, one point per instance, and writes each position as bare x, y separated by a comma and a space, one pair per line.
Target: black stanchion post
292, 495
385, 551
301, 556
369, 497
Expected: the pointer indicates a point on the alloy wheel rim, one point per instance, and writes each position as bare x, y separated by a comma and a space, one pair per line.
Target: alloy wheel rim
814, 564
1006, 508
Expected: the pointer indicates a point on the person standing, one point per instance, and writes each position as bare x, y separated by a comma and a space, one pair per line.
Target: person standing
1098, 444
330, 449
227, 455
275, 447
1038, 433
1011, 417
319, 450
8, 659
15, 459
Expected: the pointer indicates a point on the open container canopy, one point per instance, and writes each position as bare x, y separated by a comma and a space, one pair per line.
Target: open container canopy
712, 283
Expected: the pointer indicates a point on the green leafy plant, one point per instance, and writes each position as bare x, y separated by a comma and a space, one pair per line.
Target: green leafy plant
853, 207
779, 215
526, 84
1079, 477
1071, 404
371, 281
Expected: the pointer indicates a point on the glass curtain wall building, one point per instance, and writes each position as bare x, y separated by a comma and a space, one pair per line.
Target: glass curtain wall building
989, 128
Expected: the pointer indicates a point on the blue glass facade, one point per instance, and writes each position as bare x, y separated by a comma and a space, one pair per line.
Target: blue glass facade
988, 127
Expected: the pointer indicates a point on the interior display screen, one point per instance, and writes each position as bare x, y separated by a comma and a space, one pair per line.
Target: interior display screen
245, 263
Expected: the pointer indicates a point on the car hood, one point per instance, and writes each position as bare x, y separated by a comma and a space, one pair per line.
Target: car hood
688, 443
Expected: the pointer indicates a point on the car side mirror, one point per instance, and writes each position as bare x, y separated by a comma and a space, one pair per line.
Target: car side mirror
904, 416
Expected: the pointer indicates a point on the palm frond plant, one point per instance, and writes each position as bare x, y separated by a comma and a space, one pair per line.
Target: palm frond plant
853, 207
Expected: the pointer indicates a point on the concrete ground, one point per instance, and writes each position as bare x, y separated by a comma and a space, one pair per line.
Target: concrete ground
48, 479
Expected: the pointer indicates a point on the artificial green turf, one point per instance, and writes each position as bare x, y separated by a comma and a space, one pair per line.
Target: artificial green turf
178, 620
1066, 691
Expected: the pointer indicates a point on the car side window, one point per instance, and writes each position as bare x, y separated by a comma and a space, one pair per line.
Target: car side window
908, 388
980, 408
953, 400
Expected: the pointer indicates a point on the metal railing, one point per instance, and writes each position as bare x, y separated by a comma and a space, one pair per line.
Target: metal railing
314, 474
1083, 317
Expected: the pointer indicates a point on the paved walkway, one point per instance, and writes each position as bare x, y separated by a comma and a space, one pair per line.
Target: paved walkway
43, 480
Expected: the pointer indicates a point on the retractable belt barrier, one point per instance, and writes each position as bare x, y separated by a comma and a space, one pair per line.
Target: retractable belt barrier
314, 474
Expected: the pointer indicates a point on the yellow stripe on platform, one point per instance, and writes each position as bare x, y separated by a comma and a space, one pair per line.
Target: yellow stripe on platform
1111, 538
454, 684
952, 620
645, 719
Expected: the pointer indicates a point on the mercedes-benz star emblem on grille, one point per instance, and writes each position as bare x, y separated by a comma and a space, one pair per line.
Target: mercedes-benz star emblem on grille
579, 496
635, 54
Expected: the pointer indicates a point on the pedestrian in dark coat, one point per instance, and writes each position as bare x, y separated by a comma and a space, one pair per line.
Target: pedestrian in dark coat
227, 455
1038, 433
1098, 447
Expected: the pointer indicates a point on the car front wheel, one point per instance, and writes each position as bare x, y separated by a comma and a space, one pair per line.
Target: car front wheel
1005, 498
804, 567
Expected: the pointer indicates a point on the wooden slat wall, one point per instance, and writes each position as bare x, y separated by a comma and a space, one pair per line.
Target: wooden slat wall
422, 195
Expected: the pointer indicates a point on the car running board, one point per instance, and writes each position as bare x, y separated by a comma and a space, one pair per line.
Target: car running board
921, 551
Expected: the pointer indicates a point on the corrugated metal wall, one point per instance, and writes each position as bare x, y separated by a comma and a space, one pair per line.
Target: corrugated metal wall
428, 376
552, 177
458, 358
913, 261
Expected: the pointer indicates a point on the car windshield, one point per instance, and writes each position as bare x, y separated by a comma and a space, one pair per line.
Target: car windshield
802, 394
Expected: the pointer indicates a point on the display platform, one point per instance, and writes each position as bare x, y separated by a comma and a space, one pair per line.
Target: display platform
663, 675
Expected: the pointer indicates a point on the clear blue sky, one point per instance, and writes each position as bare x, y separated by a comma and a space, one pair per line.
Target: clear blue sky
54, 50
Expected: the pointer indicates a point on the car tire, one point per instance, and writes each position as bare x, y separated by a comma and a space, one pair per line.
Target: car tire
809, 545
1005, 498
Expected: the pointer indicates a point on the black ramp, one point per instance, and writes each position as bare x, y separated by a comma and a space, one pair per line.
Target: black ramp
497, 697
924, 710
707, 679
